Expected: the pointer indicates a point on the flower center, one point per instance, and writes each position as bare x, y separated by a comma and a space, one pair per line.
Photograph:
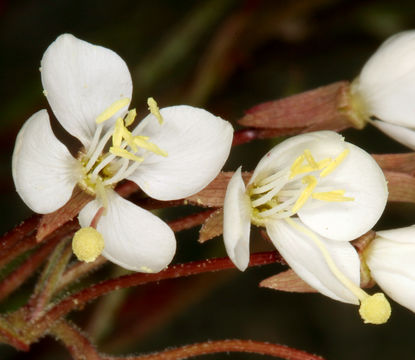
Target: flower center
104, 165
283, 193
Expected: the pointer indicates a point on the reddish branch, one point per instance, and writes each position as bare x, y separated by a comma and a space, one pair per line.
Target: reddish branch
176, 271
81, 348
214, 347
19, 232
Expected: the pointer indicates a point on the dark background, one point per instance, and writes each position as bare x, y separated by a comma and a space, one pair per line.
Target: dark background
225, 56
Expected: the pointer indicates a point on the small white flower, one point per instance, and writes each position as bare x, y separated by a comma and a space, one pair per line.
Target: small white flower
391, 260
385, 88
313, 193
171, 154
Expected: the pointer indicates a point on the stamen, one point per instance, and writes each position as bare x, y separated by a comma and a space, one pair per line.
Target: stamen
94, 141
279, 208
374, 309
311, 182
98, 150
154, 109
310, 159
272, 177
268, 186
112, 110
130, 117
143, 143
296, 164
334, 195
335, 163
125, 154
119, 175
269, 195
118, 132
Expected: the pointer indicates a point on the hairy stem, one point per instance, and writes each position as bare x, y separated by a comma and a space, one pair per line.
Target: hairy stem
176, 271
214, 347
77, 344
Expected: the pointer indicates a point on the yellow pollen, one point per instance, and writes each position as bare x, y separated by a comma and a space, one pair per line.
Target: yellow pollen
112, 110
334, 195
87, 244
335, 163
310, 159
143, 143
295, 166
129, 119
311, 182
125, 154
129, 138
118, 132
154, 109
375, 309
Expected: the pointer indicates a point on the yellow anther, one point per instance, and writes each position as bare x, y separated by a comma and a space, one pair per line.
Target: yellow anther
311, 182
129, 119
375, 309
310, 159
143, 143
295, 166
125, 154
129, 138
112, 110
334, 163
118, 132
87, 244
334, 195
154, 109
323, 163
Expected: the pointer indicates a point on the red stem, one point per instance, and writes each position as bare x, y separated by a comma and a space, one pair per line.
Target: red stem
16, 278
190, 221
19, 232
176, 271
214, 347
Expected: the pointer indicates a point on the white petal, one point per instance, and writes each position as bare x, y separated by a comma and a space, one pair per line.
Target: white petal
387, 81
198, 144
362, 179
401, 235
134, 238
82, 80
320, 143
399, 133
392, 265
44, 172
305, 258
237, 221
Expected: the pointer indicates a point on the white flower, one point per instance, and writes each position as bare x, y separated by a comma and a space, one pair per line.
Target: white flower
385, 88
313, 193
391, 260
171, 154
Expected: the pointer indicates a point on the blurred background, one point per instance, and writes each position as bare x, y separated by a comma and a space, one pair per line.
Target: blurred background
225, 56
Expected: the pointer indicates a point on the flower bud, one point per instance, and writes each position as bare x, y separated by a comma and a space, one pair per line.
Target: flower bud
391, 260
384, 92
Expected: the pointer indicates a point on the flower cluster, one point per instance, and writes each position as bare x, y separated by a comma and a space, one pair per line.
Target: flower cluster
172, 153
313, 193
